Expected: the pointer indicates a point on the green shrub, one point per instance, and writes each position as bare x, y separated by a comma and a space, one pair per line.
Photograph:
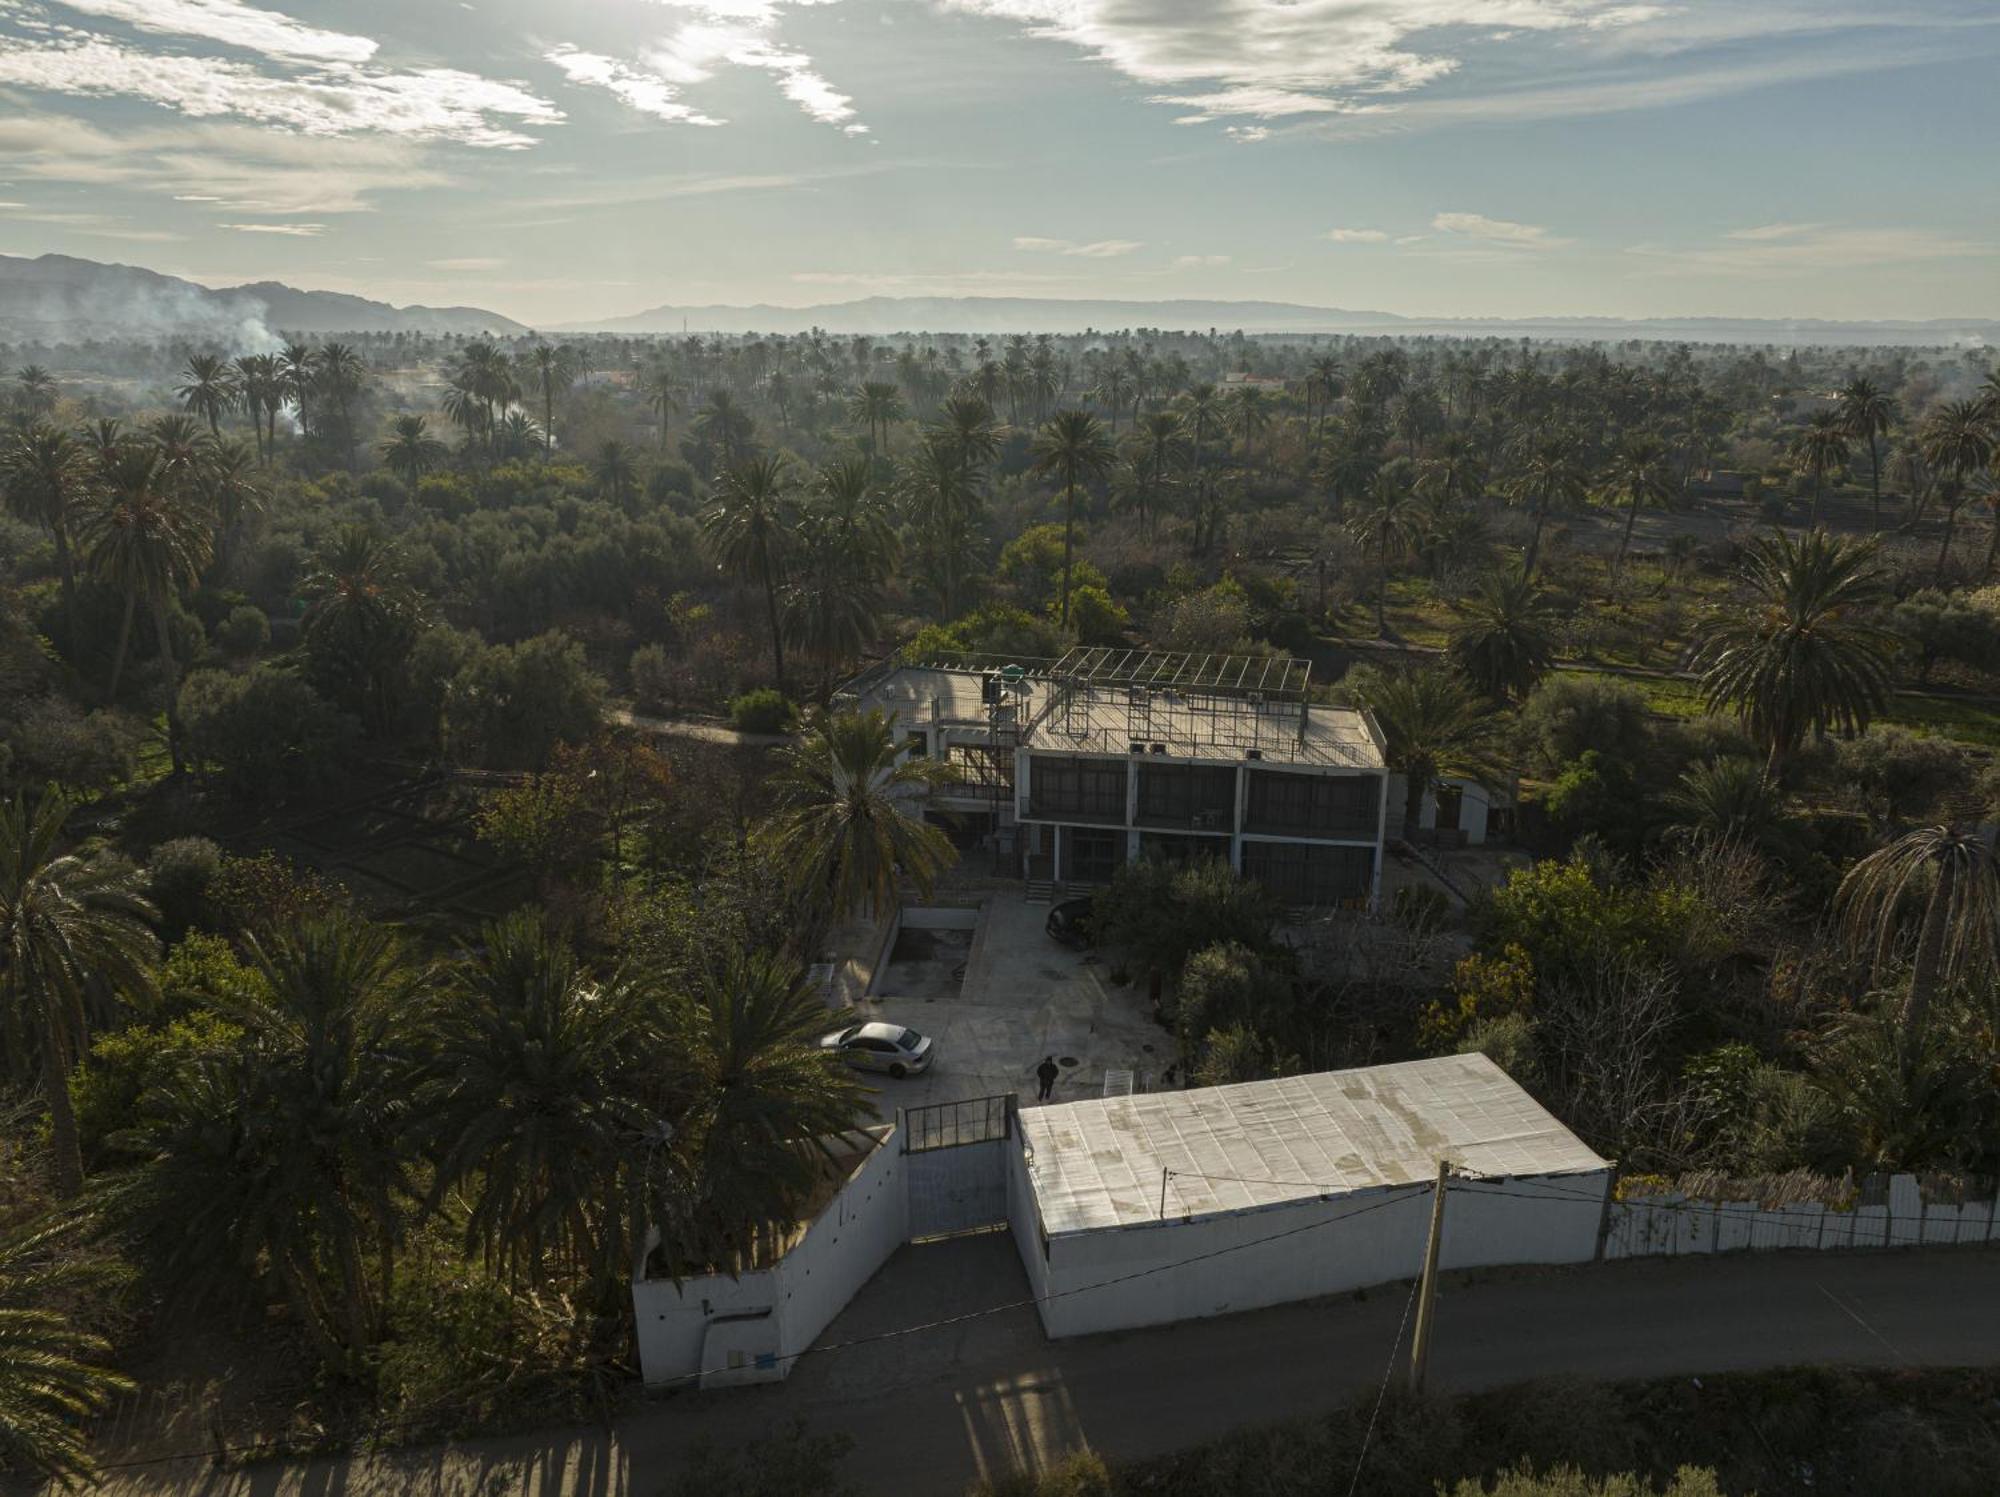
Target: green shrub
246, 631
123, 1066
762, 711
179, 875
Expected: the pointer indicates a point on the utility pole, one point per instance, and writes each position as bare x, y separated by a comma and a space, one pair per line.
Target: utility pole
1420, 1347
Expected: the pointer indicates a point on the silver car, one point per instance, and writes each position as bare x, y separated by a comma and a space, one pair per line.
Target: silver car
881, 1047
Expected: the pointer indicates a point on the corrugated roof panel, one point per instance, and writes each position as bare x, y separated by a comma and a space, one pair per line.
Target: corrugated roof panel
1098, 1163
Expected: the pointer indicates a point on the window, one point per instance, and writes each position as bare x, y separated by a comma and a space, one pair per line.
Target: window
1187, 796
1063, 789
1307, 805
918, 743
1091, 856
1308, 875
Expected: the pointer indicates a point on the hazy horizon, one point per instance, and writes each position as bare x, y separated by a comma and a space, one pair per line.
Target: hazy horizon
1439, 159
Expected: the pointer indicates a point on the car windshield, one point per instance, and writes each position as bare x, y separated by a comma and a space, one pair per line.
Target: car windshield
848, 1034
909, 1039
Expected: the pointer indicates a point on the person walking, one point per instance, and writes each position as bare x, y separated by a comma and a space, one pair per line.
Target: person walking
1046, 1073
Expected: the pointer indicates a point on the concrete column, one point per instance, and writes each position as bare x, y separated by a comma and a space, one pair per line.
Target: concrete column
1242, 810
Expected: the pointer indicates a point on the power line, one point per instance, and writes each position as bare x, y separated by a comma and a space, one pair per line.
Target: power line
1382, 1392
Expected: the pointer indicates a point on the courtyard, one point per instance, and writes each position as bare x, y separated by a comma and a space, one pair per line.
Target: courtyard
999, 996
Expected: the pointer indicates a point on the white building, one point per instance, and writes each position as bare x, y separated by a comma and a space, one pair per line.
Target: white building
1069, 768
1139, 1210
1163, 1206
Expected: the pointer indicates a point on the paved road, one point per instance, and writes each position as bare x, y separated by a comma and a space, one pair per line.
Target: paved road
990, 1393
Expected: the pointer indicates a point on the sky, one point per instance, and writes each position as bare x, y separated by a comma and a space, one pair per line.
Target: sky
565, 160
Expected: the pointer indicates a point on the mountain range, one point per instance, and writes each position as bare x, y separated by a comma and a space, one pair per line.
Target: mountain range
57, 298
60, 299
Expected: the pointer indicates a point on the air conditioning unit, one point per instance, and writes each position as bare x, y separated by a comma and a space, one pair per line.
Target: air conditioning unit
1159, 748
1253, 753
1138, 747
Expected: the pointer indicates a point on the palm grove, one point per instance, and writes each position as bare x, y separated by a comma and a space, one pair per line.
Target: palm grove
239, 587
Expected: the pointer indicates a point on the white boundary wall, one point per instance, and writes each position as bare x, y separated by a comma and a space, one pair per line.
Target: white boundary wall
1674, 1226
749, 1329
1189, 1268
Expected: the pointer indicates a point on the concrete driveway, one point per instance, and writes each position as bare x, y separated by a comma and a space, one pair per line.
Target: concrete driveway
1023, 996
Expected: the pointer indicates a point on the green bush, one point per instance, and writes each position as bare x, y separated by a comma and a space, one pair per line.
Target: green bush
122, 1067
267, 733
245, 631
762, 711
179, 875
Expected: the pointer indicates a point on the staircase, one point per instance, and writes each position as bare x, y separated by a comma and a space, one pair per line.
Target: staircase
1041, 891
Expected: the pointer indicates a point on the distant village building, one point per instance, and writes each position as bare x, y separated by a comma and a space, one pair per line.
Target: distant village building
1719, 483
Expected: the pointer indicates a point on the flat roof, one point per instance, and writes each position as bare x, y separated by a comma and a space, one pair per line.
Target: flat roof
1098, 1163
1094, 718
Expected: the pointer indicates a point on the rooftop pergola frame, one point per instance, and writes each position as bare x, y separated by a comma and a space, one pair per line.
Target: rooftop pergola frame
1271, 677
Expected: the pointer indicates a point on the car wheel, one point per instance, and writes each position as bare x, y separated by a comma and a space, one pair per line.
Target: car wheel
897, 1071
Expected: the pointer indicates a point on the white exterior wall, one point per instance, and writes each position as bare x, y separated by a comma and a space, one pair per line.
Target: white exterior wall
1350, 1242
1024, 1221
696, 1326
1674, 1226
1475, 807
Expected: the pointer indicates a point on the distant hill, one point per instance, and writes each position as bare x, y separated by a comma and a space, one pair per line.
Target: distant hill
884, 315
999, 314
57, 299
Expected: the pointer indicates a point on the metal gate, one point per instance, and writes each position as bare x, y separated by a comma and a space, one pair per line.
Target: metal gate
957, 1162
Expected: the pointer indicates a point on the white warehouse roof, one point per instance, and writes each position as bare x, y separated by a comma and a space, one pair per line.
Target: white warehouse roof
1235, 1148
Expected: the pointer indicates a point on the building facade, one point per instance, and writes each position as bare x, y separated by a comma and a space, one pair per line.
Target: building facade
1067, 769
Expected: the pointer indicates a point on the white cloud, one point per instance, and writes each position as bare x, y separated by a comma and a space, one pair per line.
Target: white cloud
235, 167
1271, 59
744, 34
1197, 262
1773, 231
1356, 236
98, 225
233, 24
648, 93
467, 262
1096, 249
296, 230
333, 99
1778, 249
1498, 231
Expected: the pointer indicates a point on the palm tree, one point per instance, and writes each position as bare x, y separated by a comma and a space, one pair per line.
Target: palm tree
1201, 412
753, 1110
943, 506
263, 393
727, 426
833, 599
1867, 414
1819, 448
69, 929
1797, 661
876, 404
532, 1102
361, 618
1505, 641
745, 529
37, 391
845, 824
1729, 799
227, 480
281, 1161
1957, 442
152, 537
663, 395
1954, 872
1436, 728
553, 366
1551, 474
298, 368
51, 1377
46, 476
1383, 520
411, 451
1071, 448
208, 388
339, 375
1640, 475
1159, 440
615, 473
1246, 405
